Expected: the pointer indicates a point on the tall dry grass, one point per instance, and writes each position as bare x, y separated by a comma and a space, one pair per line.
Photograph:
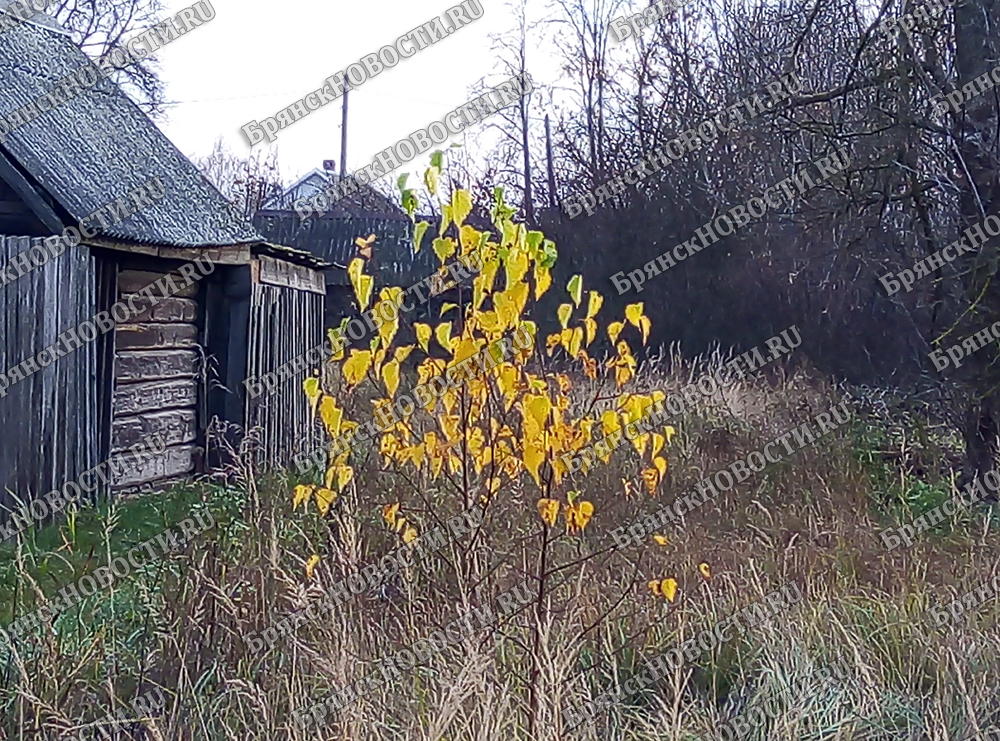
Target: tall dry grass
814, 519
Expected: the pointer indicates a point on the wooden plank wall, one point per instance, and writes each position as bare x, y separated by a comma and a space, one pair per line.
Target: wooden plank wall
157, 362
284, 323
48, 422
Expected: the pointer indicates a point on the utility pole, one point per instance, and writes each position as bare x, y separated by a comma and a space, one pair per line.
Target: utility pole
343, 137
548, 155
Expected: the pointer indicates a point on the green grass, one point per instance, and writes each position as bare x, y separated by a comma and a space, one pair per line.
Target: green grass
58, 553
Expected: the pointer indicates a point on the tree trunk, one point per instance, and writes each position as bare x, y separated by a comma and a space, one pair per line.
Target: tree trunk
976, 53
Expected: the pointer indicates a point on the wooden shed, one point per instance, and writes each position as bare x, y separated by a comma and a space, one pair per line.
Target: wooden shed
170, 368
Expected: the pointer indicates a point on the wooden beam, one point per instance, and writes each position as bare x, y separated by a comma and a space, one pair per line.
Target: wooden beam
288, 275
155, 336
228, 255
31, 197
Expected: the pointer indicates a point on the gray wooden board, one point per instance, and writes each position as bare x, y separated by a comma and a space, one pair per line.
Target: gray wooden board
155, 336
165, 310
132, 281
152, 365
176, 426
135, 398
174, 461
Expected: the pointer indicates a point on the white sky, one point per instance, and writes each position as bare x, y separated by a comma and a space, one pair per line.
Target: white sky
255, 58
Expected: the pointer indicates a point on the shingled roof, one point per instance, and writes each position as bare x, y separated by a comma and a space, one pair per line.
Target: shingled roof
99, 146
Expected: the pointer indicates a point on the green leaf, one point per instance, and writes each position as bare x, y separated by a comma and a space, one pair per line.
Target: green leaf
431, 180
410, 202
549, 254
401, 181
533, 240
444, 248
418, 235
437, 159
575, 288
374, 343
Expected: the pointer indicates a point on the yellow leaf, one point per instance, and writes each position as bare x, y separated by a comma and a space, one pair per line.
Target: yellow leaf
575, 288
311, 565
447, 307
594, 304
632, 313
578, 515
423, 335
445, 219
301, 494
324, 498
661, 466
402, 353
337, 343
549, 510
533, 457
660, 540
418, 235
431, 180
390, 376
658, 441
564, 312
344, 476
311, 387
669, 587
409, 535
461, 206
539, 407
591, 327
615, 329
357, 366
443, 335
364, 291
400, 524
543, 280
655, 587
331, 415
651, 477
516, 266
706, 572
644, 325
389, 512
575, 341
354, 271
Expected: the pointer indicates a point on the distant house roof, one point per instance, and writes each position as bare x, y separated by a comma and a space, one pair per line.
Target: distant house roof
97, 146
366, 201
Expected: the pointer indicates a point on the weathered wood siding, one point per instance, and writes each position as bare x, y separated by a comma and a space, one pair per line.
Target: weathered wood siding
49, 421
284, 323
156, 374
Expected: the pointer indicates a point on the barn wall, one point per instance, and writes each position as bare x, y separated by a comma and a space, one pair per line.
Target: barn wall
49, 421
284, 322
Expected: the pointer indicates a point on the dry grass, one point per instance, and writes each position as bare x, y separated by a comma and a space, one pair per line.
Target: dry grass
814, 518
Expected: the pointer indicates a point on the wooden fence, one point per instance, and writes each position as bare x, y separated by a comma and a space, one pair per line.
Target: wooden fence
49, 421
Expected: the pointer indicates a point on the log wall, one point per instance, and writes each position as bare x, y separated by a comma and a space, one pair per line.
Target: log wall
157, 387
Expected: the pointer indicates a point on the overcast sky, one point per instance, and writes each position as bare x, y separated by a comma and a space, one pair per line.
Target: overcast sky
255, 58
